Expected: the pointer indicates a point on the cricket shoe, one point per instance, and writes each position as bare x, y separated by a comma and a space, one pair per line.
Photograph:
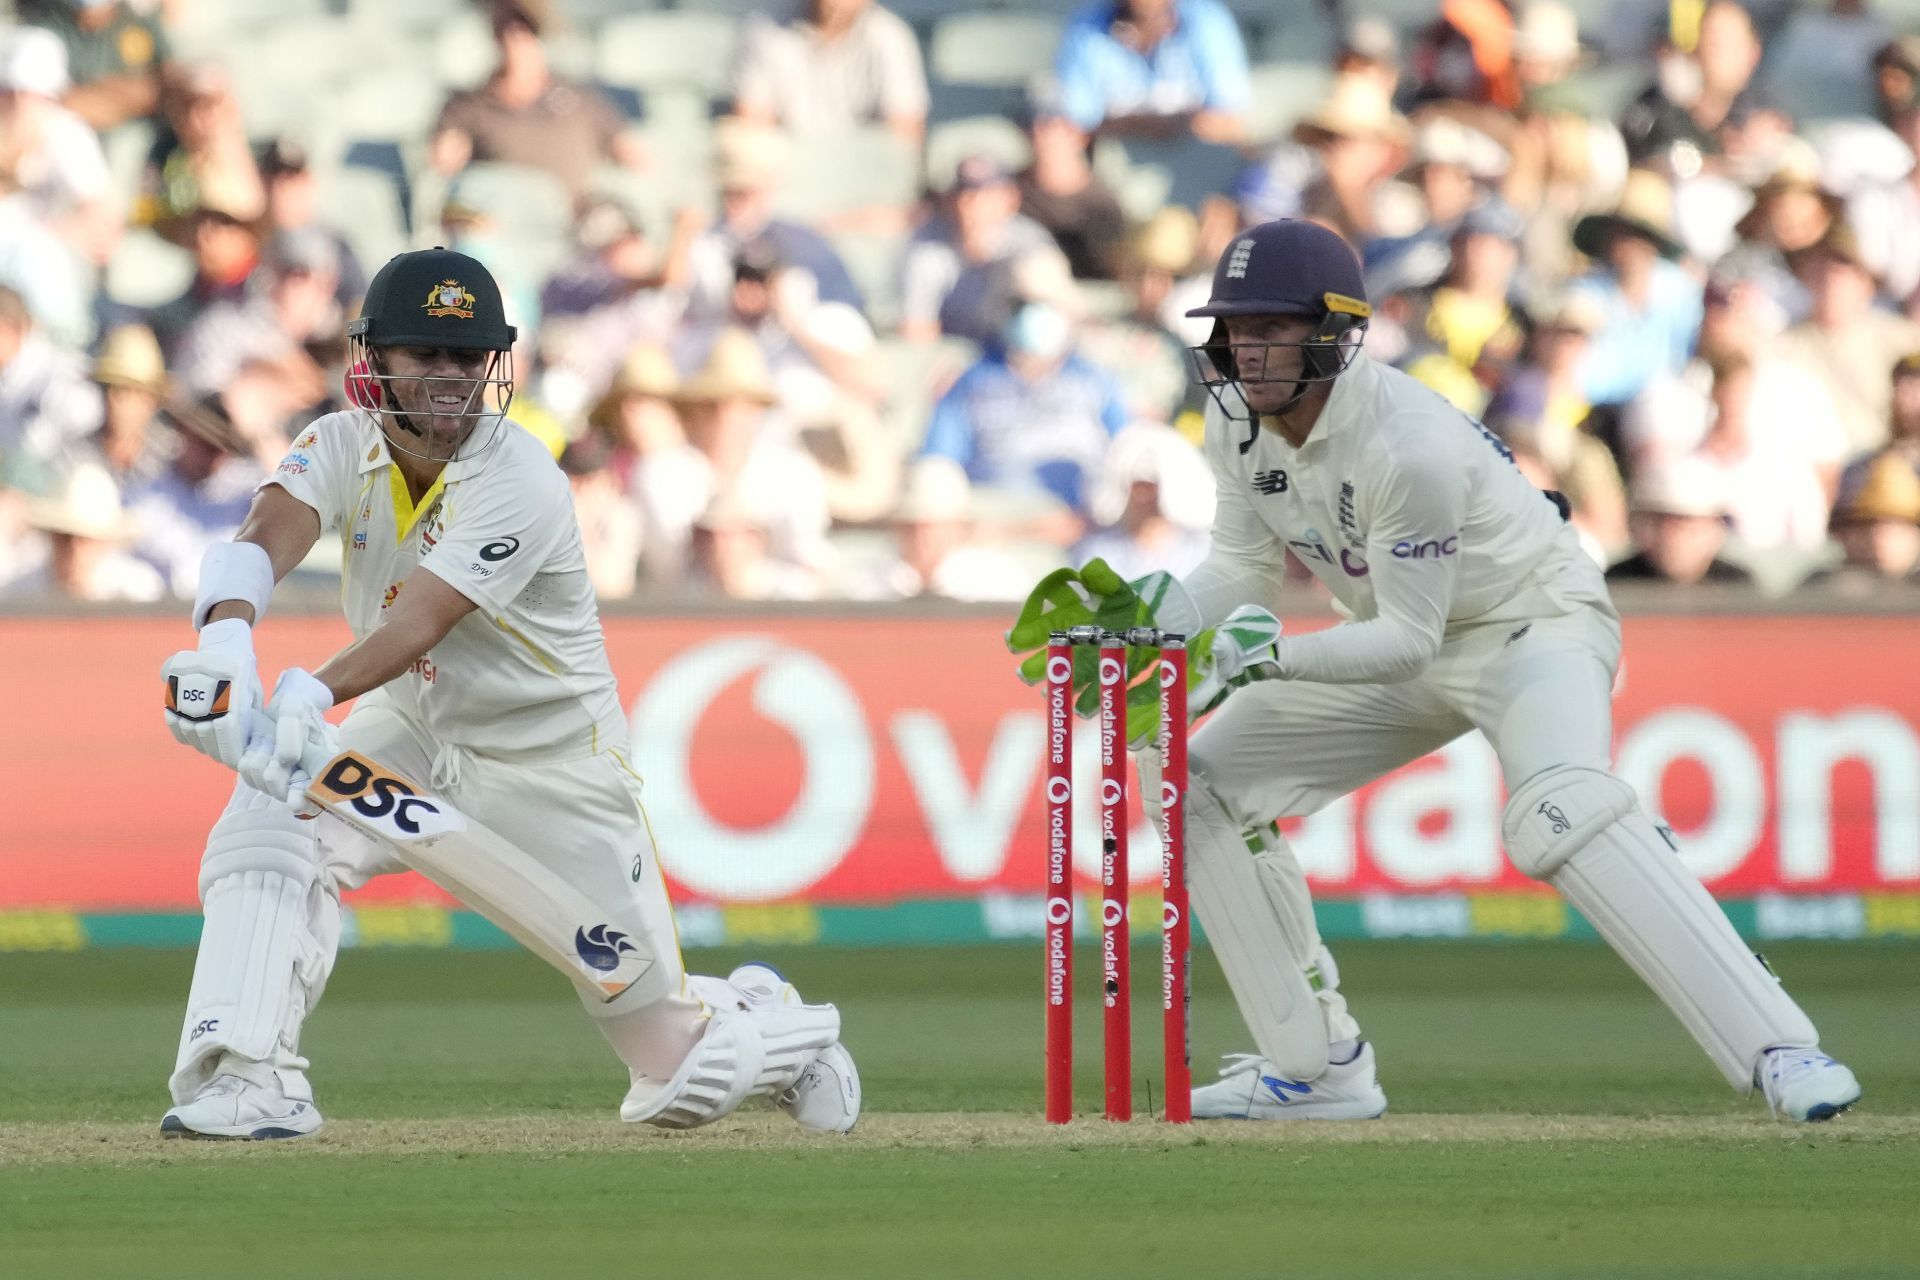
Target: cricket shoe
826, 1097
245, 1100
1805, 1084
1249, 1088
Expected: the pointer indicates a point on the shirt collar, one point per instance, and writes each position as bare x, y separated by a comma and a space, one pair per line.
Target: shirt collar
1336, 415
376, 453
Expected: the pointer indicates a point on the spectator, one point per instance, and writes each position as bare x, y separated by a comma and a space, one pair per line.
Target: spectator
750, 165
1680, 525
293, 204
1469, 316
1370, 51
636, 417
1359, 141
938, 550
201, 155
734, 445
1163, 68
225, 249
1537, 425
116, 51
1885, 216
47, 405
1453, 167
49, 158
616, 293
1791, 213
1465, 55
1833, 52
1896, 74
1650, 306
1032, 416
526, 115
57, 283
610, 523
1153, 501
200, 499
1877, 525
132, 443
1676, 121
1845, 342
730, 554
1148, 358
824, 66
1060, 191
289, 316
86, 531
954, 273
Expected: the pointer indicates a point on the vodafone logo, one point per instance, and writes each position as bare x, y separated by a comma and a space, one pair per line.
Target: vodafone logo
805, 697
1059, 671
1110, 671
1111, 913
1169, 795
1059, 791
1110, 792
1059, 911
1166, 675
1169, 915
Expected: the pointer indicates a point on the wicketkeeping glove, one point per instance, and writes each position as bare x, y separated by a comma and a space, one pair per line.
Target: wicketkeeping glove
1238, 652
1092, 595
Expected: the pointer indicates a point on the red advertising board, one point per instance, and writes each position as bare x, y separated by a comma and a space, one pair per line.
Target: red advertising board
874, 759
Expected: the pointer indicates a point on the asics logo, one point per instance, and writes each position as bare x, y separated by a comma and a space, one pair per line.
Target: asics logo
1281, 1088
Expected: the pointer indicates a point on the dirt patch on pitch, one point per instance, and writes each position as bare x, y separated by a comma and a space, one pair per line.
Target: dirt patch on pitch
550, 1136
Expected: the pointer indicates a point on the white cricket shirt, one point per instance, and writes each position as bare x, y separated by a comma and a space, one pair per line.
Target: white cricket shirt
1411, 513
523, 676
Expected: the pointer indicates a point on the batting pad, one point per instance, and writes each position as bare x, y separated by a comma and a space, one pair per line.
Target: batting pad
1254, 941
1583, 832
261, 964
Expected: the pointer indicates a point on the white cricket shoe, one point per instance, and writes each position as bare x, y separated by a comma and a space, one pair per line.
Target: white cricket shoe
1805, 1084
234, 1105
1249, 1088
826, 1097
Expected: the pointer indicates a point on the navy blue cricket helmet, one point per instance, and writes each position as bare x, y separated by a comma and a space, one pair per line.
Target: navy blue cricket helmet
1286, 268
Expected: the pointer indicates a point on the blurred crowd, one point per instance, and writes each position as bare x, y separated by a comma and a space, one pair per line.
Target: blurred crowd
820, 299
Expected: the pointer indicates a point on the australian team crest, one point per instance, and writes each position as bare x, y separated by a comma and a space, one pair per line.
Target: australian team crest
449, 298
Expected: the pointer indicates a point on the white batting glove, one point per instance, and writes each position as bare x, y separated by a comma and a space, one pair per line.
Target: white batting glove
294, 727
213, 693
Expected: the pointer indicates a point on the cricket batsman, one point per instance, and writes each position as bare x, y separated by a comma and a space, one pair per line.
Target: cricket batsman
482, 685
1467, 605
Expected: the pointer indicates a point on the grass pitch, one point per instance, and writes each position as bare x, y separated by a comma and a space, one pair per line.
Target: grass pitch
1548, 1120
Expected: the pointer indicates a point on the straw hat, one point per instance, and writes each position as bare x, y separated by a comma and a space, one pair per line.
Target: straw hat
1889, 491
735, 369
206, 419
1795, 168
1548, 31
1354, 108
130, 357
1167, 241
749, 156
1156, 454
1683, 486
87, 505
936, 491
1645, 209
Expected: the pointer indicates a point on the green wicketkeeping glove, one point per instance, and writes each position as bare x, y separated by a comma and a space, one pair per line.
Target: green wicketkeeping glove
1092, 595
1238, 652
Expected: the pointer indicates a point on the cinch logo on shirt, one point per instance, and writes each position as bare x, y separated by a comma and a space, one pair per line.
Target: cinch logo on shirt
1431, 549
1270, 482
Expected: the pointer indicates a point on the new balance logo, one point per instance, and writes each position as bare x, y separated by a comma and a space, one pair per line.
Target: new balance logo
1281, 1088
1270, 482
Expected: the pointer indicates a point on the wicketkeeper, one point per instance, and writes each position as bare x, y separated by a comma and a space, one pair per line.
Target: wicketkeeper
482, 680
1469, 606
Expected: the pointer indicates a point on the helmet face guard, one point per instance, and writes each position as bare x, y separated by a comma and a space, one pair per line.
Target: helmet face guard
483, 402
1325, 353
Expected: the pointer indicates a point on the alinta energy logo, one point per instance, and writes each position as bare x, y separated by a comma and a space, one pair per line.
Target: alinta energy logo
601, 947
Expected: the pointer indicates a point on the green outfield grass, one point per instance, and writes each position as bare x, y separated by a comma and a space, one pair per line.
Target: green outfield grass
1548, 1120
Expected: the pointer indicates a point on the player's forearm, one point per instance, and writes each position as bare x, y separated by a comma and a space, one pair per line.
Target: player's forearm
1377, 651
369, 662
1221, 584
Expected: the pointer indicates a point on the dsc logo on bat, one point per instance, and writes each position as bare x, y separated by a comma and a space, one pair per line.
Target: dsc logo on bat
382, 799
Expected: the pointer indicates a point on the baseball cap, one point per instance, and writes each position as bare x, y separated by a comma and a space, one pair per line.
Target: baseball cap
977, 171
33, 60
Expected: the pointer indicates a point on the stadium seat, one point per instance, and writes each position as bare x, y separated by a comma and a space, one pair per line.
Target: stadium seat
463, 50
1146, 174
146, 271
387, 108
874, 264
990, 47
1282, 93
364, 205
838, 172
916, 374
1289, 31
644, 50
952, 141
525, 202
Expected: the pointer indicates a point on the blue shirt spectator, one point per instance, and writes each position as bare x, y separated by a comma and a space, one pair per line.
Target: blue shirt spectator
1032, 415
1152, 58
1650, 307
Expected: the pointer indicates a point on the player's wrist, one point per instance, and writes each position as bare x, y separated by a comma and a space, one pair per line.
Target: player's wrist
231, 634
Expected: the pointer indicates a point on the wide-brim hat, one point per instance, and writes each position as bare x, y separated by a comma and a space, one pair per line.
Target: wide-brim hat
647, 371
1795, 169
1353, 108
131, 357
1682, 486
87, 505
206, 419
1548, 31
735, 369
1645, 209
1890, 490
748, 155
178, 226
1840, 242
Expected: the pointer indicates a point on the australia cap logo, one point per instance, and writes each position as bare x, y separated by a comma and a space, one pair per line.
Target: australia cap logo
449, 298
